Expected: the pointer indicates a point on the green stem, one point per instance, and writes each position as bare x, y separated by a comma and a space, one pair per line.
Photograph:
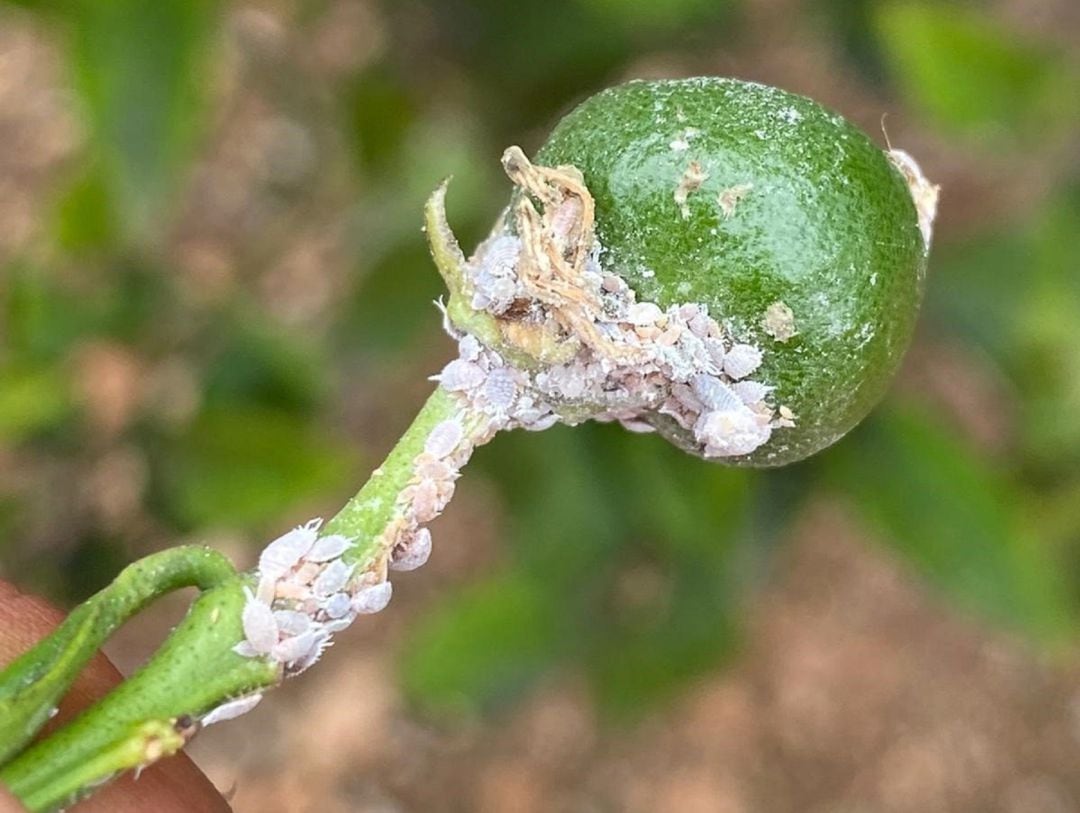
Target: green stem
147, 743
366, 515
31, 686
196, 669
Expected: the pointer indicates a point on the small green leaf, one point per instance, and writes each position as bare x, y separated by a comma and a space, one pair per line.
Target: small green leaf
139, 67
84, 217
672, 609
256, 362
954, 518
973, 76
656, 16
239, 467
484, 646
1045, 354
41, 318
32, 400
976, 286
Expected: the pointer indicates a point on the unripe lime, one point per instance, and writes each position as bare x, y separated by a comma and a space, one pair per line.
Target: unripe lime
799, 234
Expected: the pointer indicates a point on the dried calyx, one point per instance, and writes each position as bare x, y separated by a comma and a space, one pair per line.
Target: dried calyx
540, 323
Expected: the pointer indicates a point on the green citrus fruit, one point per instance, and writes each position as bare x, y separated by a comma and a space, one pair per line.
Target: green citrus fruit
797, 231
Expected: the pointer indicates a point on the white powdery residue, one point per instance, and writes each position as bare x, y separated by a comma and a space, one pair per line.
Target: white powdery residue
619, 359
423, 501
751, 392
789, 115
469, 348
714, 394
291, 618
866, 334
297, 648
493, 277
500, 390
599, 353
681, 142
428, 467
568, 382
292, 622
307, 591
338, 606
332, 579
643, 313
678, 362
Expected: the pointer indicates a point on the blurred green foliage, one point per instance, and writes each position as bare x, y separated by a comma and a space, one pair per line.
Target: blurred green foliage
972, 75
625, 559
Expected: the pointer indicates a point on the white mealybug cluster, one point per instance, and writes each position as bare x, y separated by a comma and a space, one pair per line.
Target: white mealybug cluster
305, 593
594, 351
447, 447
644, 362
306, 589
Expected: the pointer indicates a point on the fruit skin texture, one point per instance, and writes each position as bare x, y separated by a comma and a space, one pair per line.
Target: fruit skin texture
797, 206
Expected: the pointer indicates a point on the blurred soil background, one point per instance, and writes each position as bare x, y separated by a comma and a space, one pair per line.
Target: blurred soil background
215, 317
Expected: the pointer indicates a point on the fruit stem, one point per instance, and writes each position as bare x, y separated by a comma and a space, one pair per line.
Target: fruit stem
197, 669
